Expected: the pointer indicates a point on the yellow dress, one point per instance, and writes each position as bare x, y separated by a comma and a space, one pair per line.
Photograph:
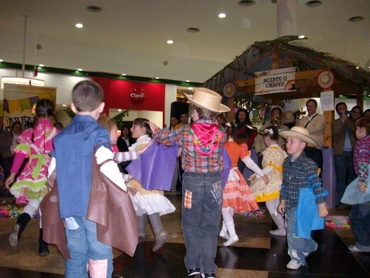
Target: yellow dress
274, 157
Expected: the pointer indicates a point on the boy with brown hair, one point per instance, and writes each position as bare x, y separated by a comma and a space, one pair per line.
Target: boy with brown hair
75, 147
299, 172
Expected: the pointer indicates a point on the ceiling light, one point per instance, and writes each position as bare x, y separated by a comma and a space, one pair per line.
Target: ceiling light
156, 77
64, 105
79, 69
221, 15
124, 74
193, 30
301, 37
190, 88
246, 3
357, 67
79, 25
187, 80
313, 4
170, 41
41, 65
356, 19
1, 60
94, 9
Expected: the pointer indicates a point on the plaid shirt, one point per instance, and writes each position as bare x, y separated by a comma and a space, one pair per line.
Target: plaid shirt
296, 175
361, 157
191, 160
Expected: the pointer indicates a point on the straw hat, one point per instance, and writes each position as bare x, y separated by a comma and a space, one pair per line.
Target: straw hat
207, 99
300, 133
325, 79
288, 117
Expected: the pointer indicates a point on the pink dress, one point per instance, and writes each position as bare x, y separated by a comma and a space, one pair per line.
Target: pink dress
236, 193
34, 144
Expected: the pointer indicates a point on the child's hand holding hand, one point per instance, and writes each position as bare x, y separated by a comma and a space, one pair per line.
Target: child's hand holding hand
323, 211
265, 179
281, 207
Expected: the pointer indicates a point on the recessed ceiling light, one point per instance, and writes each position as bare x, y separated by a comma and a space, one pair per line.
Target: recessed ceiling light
41, 65
357, 67
301, 37
221, 15
1, 60
193, 30
187, 80
170, 41
190, 88
64, 105
313, 4
124, 74
79, 69
246, 3
356, 19
79, 25
94, 9
119, 110
156, 77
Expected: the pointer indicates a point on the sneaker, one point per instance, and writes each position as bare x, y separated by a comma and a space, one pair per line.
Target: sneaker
278, 232
193, 271
354, 248
231, 240
293, 264
14, 236
208, 275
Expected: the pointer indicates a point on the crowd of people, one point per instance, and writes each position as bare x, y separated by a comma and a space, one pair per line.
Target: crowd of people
211, 154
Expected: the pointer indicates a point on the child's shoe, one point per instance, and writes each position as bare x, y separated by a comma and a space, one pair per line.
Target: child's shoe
224, 234
231, 240
293, 264
278, 232
160, 240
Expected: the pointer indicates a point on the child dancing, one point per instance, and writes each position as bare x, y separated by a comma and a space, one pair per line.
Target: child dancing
148, 203
30, 187
272, 163
237, 197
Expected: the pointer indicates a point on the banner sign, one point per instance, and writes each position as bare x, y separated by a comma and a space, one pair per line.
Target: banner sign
275, 81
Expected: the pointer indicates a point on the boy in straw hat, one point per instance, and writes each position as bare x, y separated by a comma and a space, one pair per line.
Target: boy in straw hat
299, 172
201, 154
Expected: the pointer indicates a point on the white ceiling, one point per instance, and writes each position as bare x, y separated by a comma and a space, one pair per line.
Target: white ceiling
129, 36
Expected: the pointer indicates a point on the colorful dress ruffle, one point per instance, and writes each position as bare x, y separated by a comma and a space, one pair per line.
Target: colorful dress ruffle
148, 201
34, 144
273, 156
236, 193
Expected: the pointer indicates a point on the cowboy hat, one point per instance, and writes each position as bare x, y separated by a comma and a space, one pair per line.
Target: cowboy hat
300, 133
207, 99
288, 117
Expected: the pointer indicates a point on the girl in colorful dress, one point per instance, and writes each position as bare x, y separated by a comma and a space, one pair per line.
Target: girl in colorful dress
30, 187
237, 197
148, 203
272, 163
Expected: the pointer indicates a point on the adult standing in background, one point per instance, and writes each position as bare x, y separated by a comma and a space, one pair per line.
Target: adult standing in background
16, 129
173, 122
184, 120
356, 113
315, 124
275, 120
343, 133
125, 140
244, 135
6, 156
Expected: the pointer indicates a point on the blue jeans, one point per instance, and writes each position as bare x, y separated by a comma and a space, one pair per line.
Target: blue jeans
344, 172
201, 215
83, 245
360, 223
297, 245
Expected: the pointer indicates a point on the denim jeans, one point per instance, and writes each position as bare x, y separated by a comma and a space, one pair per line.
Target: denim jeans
201, 215
360, 223
83, 245
297, 245
344, 172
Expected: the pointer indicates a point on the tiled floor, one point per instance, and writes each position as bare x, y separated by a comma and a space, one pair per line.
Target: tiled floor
255, 255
